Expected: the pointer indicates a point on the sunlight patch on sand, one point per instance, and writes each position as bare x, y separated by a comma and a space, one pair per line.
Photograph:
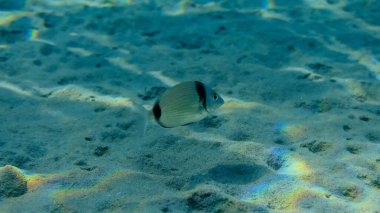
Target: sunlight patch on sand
164, 79
6, 18
44, 41
88, 3
123, 64
100, 39
77, 93
283, 192
231, 104
188, 7
268, 14
365, 59
80, 51
15, 88
337, 9
303, 70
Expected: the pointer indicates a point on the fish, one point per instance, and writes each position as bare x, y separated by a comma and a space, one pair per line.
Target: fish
185, 103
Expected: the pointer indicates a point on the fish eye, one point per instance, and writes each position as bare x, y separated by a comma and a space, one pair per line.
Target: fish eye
215, 97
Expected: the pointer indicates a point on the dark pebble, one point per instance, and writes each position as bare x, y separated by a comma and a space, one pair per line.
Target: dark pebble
320, 68
316, 146
373, 136
90, 138
206, 200
346, 128
280, 141
3, 59
351, 192
88, 168
67, 80
99, 109
353, 149
275, 161
304, 76
80, 163
376, 182
37, 62
100, 150
364, 118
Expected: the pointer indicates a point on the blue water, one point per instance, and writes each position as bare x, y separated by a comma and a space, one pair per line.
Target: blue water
298, 132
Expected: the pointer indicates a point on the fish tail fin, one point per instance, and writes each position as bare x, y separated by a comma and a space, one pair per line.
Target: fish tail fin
143, 122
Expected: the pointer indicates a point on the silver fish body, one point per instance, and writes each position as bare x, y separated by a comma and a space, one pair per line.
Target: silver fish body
185, 103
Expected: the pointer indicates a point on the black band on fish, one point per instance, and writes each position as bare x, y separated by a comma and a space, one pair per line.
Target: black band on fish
201, 90
156, 111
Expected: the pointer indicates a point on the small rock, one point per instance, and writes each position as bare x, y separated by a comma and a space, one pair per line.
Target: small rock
37, 62
280, 141
89, 138
275, 161
373, 136
346, 128
12, 182
88, 168
320, 68
304, 76
206, 200
376, 182
353, 149
315, 146
351, 192
100, 150
364, 118
80, 163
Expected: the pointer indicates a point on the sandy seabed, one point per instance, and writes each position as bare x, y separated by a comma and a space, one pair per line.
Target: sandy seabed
299, 130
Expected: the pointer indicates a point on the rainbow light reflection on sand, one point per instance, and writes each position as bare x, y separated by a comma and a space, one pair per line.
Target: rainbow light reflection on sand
282, 192
268, 4
291, 131
32, 34
286, 189
33, 180
63, 195
187, 6
292, 164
